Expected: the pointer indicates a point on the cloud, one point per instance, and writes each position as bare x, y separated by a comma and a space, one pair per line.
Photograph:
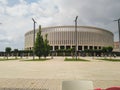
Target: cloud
16, 16
17, 10
99, 13
3, 2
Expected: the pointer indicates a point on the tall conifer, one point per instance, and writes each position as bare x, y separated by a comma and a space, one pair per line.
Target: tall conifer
39, 44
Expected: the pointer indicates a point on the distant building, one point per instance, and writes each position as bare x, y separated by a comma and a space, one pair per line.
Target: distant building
116, 46
63, 37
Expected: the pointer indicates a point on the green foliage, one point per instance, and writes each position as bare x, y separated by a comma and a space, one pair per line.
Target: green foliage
46, 47
16, 52
109, 49
73, 59
73, 49
8, 59
8, 50
98, 52
41, 59
39, 44
42, 47
104, 49
63, 52
113, 60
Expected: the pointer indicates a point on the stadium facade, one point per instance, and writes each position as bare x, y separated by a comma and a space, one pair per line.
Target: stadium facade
63, 37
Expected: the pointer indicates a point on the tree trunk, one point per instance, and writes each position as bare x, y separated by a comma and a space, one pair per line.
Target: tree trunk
7, 56
16, 55
45, 57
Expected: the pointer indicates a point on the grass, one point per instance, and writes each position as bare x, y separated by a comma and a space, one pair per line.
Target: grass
42, 59
113, 60
5, 59
74, 59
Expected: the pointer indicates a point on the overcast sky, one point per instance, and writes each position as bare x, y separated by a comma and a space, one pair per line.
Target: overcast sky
15, 16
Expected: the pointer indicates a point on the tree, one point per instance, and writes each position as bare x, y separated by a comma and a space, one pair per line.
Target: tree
109, 49
39, 44
16, 53
104, 49
72, 50
7, 50
46, 47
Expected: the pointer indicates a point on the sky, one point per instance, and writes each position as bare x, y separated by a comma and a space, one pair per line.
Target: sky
16, 17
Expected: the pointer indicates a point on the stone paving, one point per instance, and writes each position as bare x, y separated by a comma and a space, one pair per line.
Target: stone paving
30, 84
46, 84
48, 75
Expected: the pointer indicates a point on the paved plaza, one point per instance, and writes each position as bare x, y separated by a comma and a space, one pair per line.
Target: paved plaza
44, 75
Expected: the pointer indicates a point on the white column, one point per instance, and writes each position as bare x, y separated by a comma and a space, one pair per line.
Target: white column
88, 47
53, 48
83, 48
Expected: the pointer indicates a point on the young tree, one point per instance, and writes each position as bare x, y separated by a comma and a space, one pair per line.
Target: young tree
8, 50
109, 49
46, 47
39, 44
104, 50
16, 53
72, 50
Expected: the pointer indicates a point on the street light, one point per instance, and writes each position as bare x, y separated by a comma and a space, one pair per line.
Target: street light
34, 22
118, 20
76, 36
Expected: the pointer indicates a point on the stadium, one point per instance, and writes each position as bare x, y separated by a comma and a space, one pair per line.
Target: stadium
63, 37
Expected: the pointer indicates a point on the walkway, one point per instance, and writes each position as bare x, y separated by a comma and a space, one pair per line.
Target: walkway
50, 74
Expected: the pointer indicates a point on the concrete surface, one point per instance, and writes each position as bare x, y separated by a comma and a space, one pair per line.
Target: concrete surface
50, 74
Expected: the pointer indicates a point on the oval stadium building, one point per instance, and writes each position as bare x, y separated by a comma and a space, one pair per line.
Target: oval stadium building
64, 37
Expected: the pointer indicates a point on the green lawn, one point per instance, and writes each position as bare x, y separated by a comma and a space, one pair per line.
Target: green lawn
5, 59
42, 59
74, 59
113, 60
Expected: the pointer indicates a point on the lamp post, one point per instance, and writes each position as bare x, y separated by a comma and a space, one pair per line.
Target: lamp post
118, 20
76, 36
34, 22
